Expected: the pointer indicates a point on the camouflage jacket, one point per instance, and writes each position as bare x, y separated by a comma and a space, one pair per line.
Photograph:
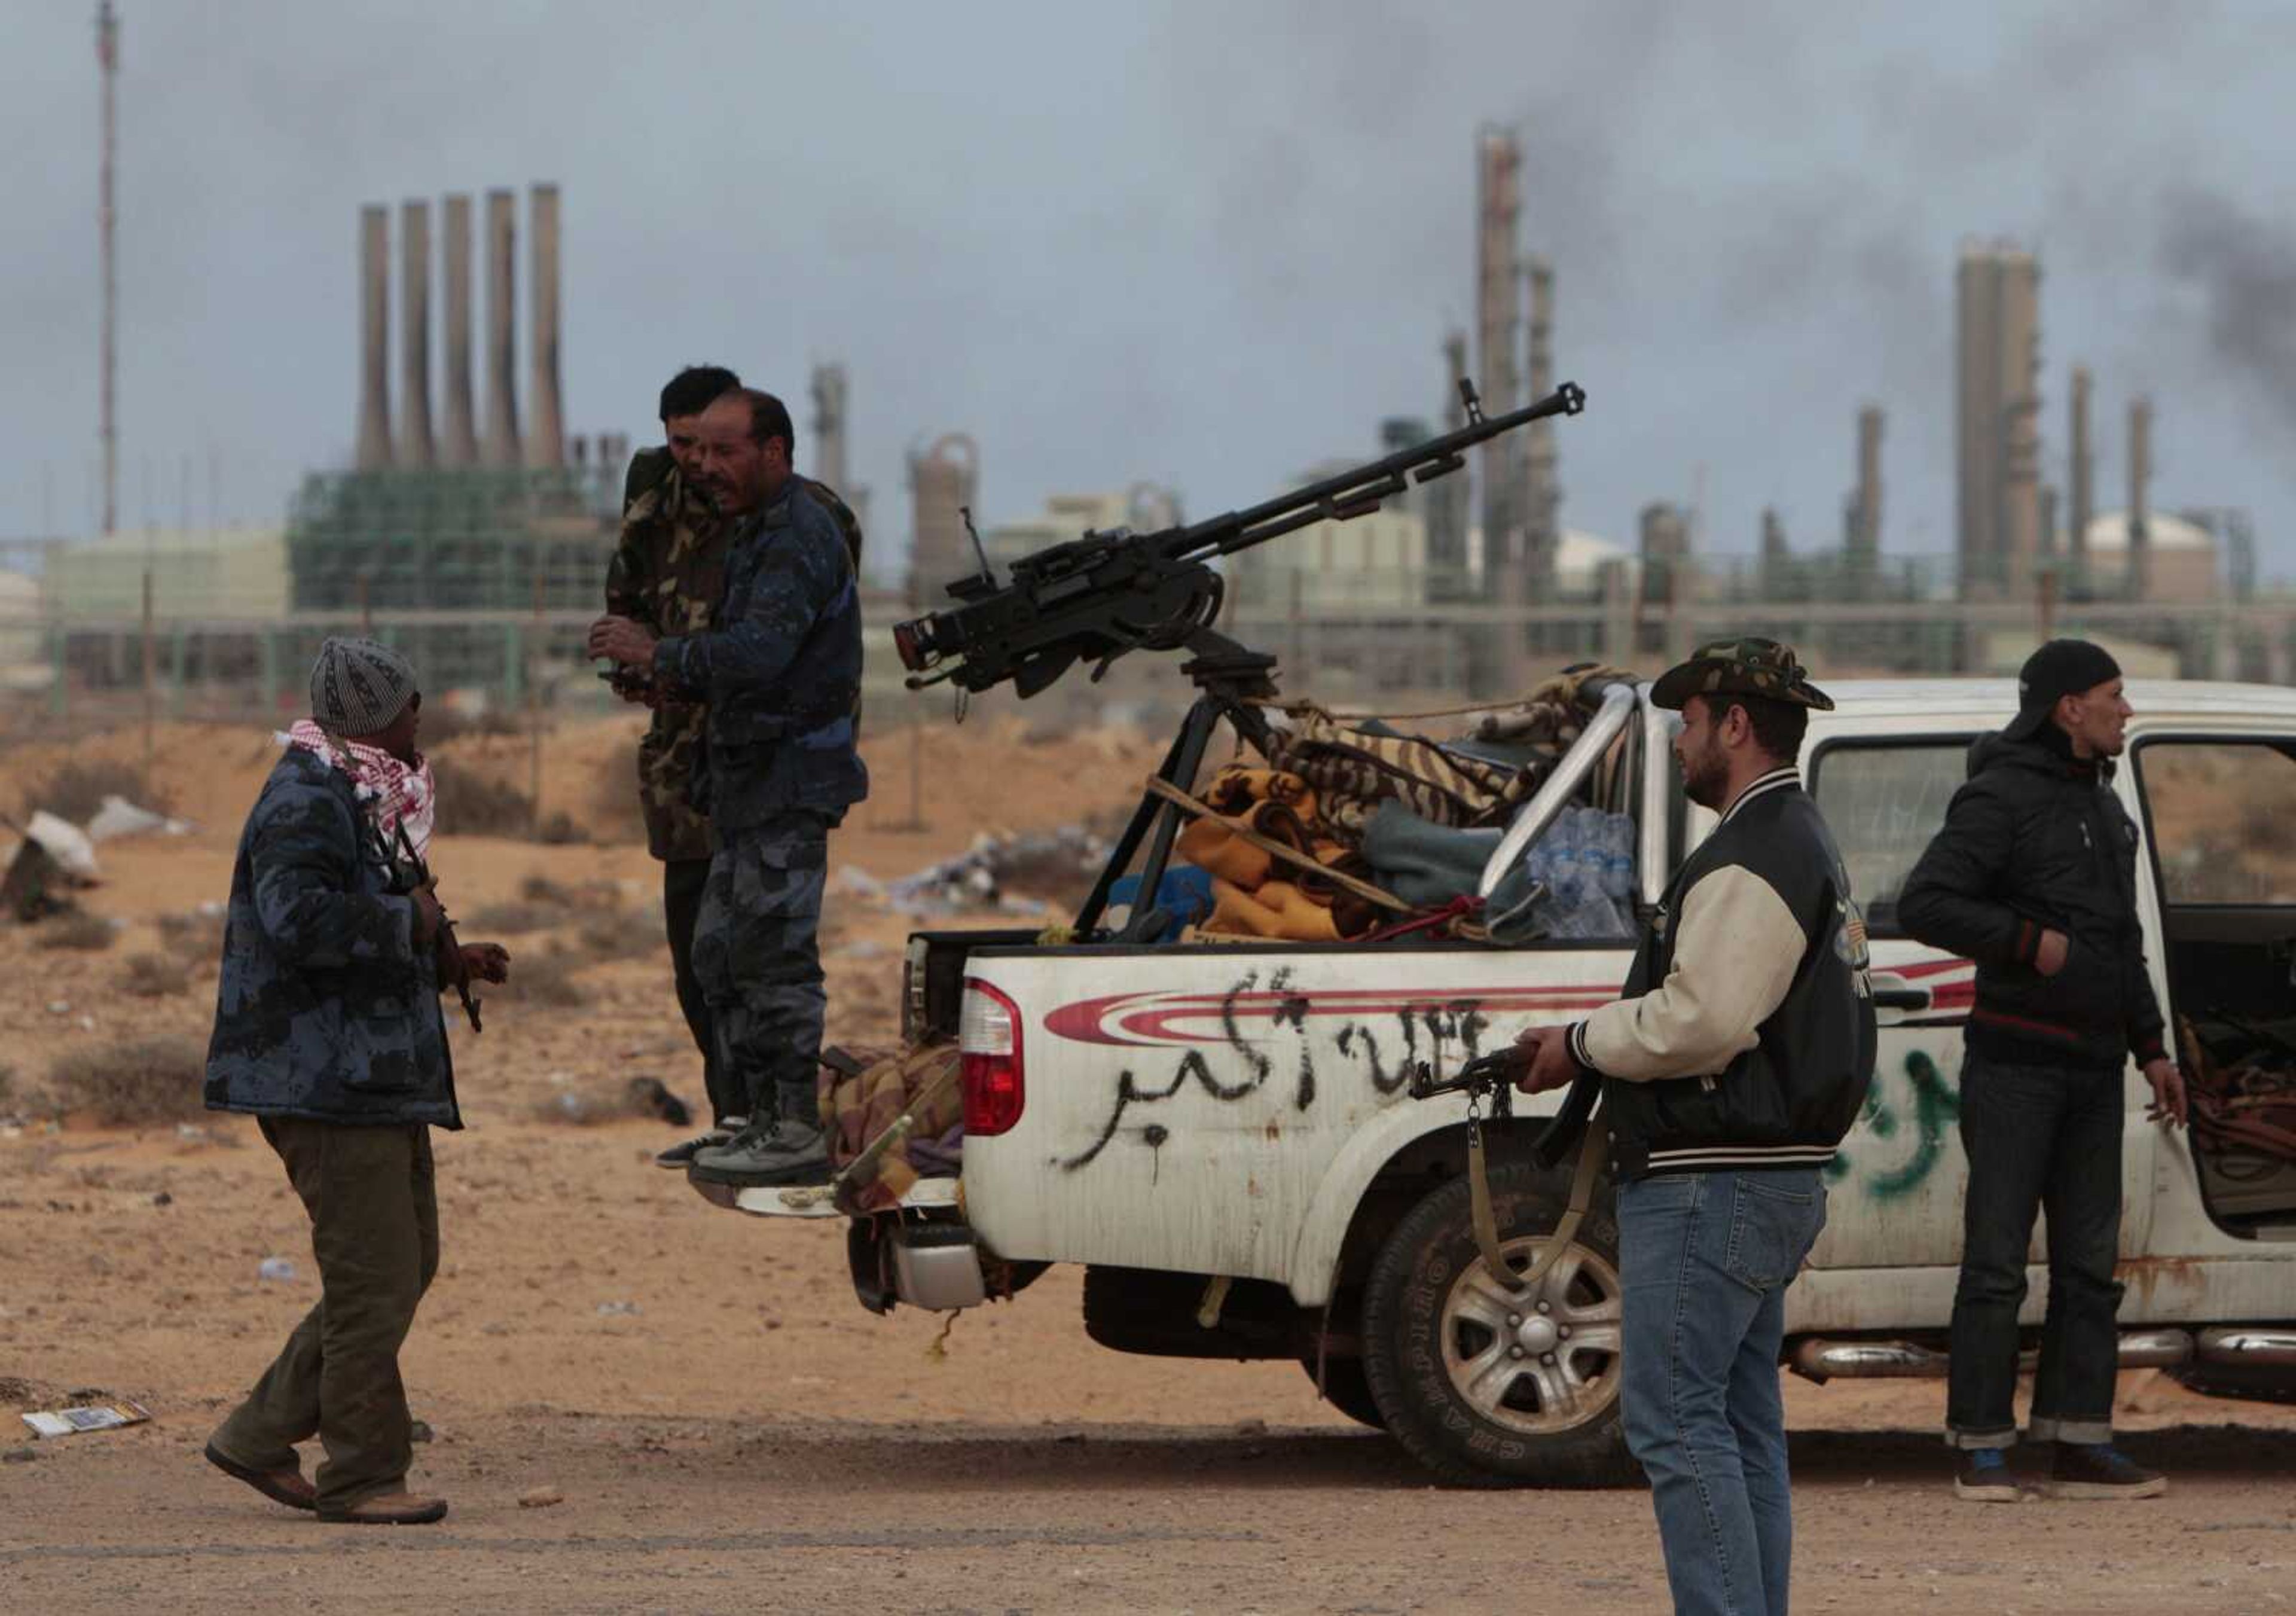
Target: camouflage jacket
325, 1009
668, 572
781, 669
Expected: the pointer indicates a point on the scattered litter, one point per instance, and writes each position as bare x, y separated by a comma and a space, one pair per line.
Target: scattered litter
65, 842
279, 1268
58, 1006
163, 1199
86, 1416
19, 1455
190, 1133
119, 818
86, 1023
866, 947
985, 876
419, 1431
540, 1497
852, 878
618, 1309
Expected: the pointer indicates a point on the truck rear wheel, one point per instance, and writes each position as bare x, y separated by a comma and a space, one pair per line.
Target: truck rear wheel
1483, 1384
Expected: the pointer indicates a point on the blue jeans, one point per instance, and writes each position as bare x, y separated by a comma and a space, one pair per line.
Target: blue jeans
2037, 1137
1705, 1259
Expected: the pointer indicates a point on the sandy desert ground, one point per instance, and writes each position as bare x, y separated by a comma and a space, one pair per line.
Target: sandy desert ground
726, 1430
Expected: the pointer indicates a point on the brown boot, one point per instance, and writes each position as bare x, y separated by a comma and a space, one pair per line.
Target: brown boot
389, 1509
289, 1487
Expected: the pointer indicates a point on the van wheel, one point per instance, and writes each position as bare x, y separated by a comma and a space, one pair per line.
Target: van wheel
1347, 1389
1485, 1386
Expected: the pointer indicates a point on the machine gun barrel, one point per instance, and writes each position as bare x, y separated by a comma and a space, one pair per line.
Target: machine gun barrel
1361, 490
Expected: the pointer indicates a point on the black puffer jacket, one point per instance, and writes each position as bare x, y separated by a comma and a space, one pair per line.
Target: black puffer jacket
2035, 841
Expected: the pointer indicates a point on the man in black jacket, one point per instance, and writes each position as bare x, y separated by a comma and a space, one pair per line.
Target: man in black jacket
1729, 1072
2034, 877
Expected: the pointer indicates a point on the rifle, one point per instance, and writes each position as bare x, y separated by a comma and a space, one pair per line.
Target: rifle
1109, 593
410, 873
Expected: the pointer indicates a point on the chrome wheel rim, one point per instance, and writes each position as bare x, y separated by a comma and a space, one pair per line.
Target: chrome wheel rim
1536, 1362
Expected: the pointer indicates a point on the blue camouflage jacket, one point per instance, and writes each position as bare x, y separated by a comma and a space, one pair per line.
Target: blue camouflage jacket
780, 670
326, 1009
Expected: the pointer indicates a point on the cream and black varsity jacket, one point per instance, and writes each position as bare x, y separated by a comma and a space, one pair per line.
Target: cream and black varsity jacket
1745, 1036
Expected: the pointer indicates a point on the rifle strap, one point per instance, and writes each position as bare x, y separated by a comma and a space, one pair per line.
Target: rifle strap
1160, 787
1593, 1149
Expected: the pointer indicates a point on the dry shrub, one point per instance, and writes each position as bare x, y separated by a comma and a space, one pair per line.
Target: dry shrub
78, 930
539, 888
151, 976
561, 831
133, 1082
473, 804
76, 790
609, 1102
194, 937
511, 919
621, 936
544, 979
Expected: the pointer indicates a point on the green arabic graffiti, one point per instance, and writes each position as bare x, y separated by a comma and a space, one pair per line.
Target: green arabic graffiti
1936, 1107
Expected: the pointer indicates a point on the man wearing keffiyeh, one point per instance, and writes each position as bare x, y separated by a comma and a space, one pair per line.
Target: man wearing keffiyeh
328, 1031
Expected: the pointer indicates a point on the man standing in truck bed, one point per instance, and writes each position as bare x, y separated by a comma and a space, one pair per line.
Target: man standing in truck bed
1730, 1072
780, 669
2033, 876
668, 573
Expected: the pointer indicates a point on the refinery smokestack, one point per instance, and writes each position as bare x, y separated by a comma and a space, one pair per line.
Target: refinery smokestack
828, 426
1499, 159
2140, 479
502, 447
2083, 492
1866, 529
460, 444
374, 338
546, 434
414, 445
1542, 496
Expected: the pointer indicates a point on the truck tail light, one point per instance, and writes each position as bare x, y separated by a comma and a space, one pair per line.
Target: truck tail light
988, 1038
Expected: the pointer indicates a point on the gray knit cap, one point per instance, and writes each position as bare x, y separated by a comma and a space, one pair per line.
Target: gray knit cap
359, 686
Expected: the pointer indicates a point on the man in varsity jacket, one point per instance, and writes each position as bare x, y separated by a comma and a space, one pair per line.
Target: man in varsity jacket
1728, 1072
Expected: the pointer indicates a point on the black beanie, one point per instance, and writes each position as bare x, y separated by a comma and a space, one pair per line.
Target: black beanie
2062, 667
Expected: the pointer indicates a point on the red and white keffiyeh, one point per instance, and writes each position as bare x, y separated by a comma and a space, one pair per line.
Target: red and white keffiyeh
402, 793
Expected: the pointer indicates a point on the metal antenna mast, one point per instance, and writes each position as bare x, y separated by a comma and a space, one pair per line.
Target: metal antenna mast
107, 60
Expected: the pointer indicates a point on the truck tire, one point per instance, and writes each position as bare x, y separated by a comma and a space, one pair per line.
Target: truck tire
1347, 1389
1474, 1408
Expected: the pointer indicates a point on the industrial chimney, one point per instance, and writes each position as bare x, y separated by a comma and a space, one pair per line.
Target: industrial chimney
1542, 499
2140, 479
501, 445
2083, 492
546, 434
829, 425
1499, 159
460, 444
942, 479
1864, 536
414, 445
374, 339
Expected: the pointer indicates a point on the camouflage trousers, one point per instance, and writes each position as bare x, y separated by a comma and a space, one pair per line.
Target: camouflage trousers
757, 951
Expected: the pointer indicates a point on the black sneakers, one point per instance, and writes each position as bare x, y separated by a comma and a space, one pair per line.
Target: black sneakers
682, 1155
2099, 1469
766, 1153
1984, 1478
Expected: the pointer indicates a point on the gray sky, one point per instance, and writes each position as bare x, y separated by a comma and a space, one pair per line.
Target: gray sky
1203, 244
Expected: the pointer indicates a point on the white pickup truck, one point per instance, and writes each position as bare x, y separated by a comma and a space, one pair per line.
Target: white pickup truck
1221, 1131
